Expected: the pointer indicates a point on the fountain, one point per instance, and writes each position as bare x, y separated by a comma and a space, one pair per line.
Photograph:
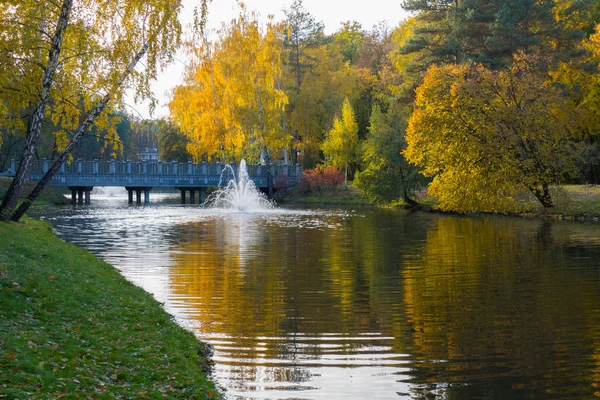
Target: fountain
238, 193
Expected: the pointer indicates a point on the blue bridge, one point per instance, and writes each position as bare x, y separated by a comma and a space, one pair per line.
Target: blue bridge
142, 176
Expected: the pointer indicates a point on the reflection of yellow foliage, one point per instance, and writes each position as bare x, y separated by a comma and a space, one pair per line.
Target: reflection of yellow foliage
239, 281
235, 274
492, 292
475, 298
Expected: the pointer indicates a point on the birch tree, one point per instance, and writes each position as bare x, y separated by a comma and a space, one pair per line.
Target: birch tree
70, 61
231, 103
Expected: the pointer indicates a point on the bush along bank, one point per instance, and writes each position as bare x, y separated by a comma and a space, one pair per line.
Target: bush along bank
323, 185
71, 326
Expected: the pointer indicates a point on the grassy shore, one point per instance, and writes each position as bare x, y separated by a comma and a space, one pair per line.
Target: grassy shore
71, 326
572, 202
346, 196
48, 195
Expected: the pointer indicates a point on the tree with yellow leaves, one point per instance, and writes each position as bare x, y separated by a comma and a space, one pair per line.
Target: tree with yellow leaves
323, 90
341, 143
68, 61
486, 136
231, 103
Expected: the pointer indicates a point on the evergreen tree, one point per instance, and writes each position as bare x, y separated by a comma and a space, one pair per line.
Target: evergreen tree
492, 31
387, 175
172, 143
302, 32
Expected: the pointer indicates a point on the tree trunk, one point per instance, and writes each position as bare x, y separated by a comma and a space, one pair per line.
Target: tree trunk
297, 68
8, 146
35, 125
91, 117
54, 149
346, 175
543, 195
405, 195
408, 200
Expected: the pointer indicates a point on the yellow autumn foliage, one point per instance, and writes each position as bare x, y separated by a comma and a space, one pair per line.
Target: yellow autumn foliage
231, 103
341, 143
101, 39
487, 136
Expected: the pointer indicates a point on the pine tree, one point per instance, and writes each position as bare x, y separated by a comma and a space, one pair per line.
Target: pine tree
492, 31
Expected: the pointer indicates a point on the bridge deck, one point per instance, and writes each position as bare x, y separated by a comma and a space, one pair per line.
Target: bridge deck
156, 174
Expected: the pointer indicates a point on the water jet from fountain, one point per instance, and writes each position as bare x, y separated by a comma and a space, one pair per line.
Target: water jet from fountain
238, 193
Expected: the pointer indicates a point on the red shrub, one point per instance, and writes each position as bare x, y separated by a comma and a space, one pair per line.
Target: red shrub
321, 178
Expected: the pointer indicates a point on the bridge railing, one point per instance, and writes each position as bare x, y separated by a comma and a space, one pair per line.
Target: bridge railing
157, 170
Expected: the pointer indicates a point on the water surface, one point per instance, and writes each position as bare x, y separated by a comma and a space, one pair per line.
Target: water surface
366, 303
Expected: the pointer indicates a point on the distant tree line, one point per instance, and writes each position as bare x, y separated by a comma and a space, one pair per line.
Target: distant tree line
479, 100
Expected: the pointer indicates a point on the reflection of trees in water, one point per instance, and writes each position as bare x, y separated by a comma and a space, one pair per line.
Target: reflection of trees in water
486, 307
500, 303
289, 283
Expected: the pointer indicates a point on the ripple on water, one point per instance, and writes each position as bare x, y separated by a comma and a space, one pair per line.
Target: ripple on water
327, 303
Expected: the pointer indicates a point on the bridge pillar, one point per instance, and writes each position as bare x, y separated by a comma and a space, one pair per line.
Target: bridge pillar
192, 196
138, 194
81, 194
182, 195
202, 195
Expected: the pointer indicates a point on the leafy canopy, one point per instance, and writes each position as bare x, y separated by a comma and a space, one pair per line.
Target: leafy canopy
231, 103
341, 143
485, 136
101, 39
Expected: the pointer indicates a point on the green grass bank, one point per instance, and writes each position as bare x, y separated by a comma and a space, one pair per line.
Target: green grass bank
572, 202
346, 196
71, 326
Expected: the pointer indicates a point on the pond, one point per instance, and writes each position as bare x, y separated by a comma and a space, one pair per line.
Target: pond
328, 303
